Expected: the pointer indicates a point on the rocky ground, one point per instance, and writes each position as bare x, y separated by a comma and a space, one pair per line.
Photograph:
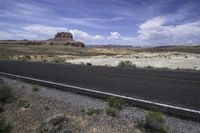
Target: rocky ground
42, 109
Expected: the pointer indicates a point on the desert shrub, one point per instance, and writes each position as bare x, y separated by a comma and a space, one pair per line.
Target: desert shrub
89, 64
5, 92
58, 60
5, 126
111, 111
44, 60
125, 64
35, 88
22, 103
25, 58
92, 111
149, 66
155, 122
116, 103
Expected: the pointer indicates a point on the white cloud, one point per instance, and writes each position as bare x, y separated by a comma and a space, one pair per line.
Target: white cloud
156, 31
33, 32
80, 35
43, 30
114, 35
153, 32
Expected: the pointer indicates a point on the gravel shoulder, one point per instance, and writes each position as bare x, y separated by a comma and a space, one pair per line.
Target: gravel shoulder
46, 103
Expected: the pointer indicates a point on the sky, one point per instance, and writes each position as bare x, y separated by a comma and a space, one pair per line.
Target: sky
123, 22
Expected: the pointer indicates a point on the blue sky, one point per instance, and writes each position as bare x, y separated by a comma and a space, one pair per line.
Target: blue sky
125, 22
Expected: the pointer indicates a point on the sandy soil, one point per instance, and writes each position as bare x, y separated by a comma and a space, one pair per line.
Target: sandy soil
171, 60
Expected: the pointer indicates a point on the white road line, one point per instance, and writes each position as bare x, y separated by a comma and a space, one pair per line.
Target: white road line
104, 93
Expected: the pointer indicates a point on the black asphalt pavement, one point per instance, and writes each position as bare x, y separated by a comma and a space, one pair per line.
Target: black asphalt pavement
176, 88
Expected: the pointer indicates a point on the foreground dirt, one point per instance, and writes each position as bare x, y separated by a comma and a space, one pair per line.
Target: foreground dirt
48, 107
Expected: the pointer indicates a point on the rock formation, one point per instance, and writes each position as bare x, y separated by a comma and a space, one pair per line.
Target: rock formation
65, 38
61, 38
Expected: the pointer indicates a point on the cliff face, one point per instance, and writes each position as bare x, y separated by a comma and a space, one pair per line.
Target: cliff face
65, 38
61, 38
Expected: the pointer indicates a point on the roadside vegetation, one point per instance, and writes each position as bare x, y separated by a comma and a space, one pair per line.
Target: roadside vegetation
126, 64
112, 112
115, 105
5, 93
35, 88
5, 96
5, 126
22, 103
58, 60
154, 123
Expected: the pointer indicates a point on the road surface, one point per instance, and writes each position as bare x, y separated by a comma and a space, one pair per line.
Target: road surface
181, 89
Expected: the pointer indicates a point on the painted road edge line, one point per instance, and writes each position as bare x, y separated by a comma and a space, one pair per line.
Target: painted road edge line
104, 93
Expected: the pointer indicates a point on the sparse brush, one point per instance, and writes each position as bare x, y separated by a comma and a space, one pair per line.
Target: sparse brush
22, 103
149, 66
155, 122
5, 92
5, 126
35, 88
112, 112
58, 60
89, 64
125, 64
116, 103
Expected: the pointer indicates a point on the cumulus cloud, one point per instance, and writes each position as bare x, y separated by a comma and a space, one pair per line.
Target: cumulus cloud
155, 30
35, 31
43, 30
80, 35
114, 35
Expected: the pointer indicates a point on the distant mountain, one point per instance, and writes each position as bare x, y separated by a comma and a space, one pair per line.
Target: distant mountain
61, 38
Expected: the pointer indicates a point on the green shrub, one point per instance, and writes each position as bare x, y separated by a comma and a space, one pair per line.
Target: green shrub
35, 88
5, 127
111, 111
149, 66
125, 64
5, 92
155, 122
92, 111
116, 103
89, 64
22, 103
58, 60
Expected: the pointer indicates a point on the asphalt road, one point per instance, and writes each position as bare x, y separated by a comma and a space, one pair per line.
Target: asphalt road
176, 88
